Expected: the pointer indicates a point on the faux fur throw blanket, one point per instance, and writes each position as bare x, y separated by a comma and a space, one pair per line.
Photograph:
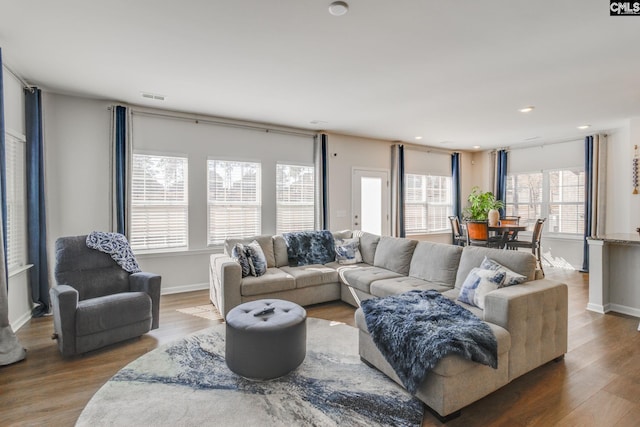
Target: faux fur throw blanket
414, 330
310, 247
116, 245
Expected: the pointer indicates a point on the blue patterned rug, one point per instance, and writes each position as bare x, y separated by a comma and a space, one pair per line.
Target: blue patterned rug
188, 383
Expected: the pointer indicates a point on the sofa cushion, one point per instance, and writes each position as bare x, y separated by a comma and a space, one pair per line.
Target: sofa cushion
348, 251
362, 277
478, 284
265, 242
511, 278
368, 245
310, 247
280, 251
312, 275
452, 294
112, 311
472, 256
402, 284
342, 234
274, 280
435, 262
394, 253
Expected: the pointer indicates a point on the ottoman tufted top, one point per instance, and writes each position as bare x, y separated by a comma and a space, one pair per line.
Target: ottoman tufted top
284, 315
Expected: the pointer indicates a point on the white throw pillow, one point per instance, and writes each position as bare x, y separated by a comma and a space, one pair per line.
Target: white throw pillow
511, 277
478, 284
348, 251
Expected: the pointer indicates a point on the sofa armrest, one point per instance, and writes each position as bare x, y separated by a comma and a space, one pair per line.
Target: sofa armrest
535, 314
149, 283
225, 279
64, 301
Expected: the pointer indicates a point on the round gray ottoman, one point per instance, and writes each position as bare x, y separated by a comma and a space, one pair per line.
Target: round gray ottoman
265, 339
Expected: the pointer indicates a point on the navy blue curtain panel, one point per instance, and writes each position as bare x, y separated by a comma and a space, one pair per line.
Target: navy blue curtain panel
501, 178
588, 200
401, 191
121, 169
456, 208
325, 181
36, 215
3, 172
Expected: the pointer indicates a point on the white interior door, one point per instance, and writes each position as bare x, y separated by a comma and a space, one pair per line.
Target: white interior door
370, 204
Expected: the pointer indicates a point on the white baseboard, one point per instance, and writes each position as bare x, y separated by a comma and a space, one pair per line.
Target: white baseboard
602, 309
184, 288
20, 321
635, 312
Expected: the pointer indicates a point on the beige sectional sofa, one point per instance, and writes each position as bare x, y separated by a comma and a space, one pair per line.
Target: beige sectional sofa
529, 320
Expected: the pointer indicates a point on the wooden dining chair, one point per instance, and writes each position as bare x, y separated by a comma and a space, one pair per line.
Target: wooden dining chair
535, 244
511, 220
457, 231
478, 235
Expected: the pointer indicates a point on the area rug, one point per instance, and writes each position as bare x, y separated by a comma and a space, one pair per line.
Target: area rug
208, 311
187, 383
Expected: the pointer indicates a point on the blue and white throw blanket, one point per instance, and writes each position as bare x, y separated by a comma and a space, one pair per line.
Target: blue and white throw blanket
415, 330
116, 245
310, 247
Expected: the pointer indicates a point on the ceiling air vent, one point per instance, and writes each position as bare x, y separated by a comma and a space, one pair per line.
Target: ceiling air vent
153, 96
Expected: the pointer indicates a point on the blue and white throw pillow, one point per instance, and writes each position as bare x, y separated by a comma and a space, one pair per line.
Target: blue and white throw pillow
257, 260
348, 251
239, 254
511, 277
478, 284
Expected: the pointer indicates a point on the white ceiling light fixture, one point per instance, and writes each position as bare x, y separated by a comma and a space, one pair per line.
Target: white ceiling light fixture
338, 8
583, 127
418, 138
527, 109
476, 147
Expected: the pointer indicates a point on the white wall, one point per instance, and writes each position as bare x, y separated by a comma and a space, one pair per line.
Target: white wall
19, 294
345, 154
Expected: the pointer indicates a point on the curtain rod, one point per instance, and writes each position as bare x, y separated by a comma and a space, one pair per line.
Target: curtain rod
426, 148
223, 122
20, 79
563, 141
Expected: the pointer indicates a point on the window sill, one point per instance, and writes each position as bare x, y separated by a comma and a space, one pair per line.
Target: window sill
174, 253
18, 270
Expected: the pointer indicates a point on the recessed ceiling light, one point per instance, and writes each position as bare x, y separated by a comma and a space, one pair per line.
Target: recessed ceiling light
527, 109
338, 8
318, 122
583, 127
475, 147
418, 138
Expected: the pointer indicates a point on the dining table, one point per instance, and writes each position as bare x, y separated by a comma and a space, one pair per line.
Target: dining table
506, 230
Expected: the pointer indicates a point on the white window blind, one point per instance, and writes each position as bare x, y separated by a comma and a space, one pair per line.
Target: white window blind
16, 202
234, 200
159, 202
427, 203
557, 195
295, 196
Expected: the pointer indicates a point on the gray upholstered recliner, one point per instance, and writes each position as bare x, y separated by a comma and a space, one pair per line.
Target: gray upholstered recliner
96, 302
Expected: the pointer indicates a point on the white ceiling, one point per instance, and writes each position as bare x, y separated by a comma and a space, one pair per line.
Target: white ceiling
453, 72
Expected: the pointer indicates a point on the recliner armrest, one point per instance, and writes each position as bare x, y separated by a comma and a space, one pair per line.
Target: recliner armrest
64, 301
149, 283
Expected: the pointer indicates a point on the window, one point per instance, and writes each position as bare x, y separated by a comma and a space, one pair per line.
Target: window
234, 200
159, 202
295, 196
427, 203
557, 195
16, 196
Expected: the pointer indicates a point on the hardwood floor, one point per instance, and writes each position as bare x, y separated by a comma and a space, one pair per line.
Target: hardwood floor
597, 383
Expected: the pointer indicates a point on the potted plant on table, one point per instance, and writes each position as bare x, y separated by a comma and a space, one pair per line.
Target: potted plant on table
482, 206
